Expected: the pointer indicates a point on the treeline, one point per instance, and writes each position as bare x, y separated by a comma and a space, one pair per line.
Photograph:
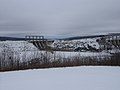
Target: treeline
11, 60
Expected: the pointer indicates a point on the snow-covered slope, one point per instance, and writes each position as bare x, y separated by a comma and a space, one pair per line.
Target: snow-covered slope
19, 46
77, 78
76, 43
23, 47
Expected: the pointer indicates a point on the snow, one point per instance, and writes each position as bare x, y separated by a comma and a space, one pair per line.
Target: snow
74, 78
23, 47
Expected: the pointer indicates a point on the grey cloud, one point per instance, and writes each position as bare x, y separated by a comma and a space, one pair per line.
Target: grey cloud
59, 17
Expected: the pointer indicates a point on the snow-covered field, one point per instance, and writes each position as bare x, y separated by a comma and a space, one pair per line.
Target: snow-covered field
74, 78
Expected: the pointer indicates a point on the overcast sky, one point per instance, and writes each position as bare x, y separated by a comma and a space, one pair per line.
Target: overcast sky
59, 17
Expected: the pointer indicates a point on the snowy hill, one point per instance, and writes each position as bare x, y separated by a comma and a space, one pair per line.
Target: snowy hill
77, 78
21, 47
